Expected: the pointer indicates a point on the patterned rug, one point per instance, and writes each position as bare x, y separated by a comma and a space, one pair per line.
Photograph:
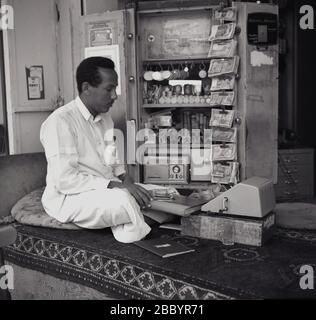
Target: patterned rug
213, 271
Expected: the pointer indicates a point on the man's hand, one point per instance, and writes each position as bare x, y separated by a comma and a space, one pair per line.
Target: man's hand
141, 195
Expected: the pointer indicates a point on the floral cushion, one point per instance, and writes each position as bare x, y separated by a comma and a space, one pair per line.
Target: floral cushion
29, 210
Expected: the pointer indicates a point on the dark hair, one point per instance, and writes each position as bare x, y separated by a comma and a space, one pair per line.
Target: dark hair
88, 71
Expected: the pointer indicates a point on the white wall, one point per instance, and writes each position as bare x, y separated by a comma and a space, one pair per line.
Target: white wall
32, 42
99, 6
29, 124
38, 39
35, 35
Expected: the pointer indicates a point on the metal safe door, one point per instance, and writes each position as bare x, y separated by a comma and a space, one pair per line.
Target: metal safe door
112, 35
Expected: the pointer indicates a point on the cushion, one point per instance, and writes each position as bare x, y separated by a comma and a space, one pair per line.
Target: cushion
6, 220
29, 210
296, 215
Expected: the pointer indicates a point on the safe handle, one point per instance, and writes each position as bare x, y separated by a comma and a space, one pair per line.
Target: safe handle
224, 205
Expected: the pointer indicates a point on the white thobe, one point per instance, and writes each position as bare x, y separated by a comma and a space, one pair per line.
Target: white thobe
78, 175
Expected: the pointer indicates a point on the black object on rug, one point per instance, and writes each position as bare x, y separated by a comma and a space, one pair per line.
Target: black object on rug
95, 259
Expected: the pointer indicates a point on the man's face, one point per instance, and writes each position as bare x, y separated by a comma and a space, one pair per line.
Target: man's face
103, 96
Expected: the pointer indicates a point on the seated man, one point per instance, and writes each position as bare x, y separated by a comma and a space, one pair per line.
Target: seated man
83, 186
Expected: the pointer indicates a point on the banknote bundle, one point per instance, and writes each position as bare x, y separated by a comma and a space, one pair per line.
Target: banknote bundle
223, 66
224, 173
223, 152
222, 49
224, 134
225, 14
226, 82
222, 98
224, 31
220, 118
222, 70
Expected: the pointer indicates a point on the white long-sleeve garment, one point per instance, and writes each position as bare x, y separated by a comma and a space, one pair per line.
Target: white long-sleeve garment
77, 172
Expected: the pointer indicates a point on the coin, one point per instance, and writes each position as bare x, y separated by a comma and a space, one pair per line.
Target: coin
157, 76
148, 75
202, 74
166, 74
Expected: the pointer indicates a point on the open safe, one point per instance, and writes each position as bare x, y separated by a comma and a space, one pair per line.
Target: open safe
198, 89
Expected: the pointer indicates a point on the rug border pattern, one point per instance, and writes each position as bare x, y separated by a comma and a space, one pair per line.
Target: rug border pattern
102, 272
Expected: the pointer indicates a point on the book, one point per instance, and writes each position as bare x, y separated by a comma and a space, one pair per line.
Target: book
171, 226
179, 205
163, 247
158, 216
150, 221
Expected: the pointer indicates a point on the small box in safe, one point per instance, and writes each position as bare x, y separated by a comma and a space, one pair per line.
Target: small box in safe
164, 169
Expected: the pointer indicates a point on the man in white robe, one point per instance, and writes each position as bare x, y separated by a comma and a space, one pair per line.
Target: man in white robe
83, 186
